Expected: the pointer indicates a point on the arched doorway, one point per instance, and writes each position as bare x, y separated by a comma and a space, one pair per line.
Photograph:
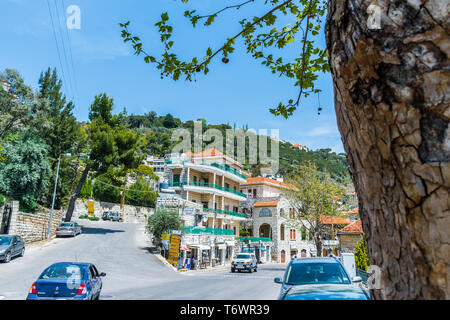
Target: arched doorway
265, 231
283, 256
303, 253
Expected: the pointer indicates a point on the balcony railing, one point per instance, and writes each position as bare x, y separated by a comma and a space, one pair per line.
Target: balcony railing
231, 213
254, 239
207, 230
215, 165
228, 169
211, 185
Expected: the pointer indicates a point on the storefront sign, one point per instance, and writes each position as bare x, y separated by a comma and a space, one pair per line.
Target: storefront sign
165, 236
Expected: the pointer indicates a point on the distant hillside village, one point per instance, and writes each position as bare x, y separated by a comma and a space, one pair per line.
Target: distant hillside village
224, 210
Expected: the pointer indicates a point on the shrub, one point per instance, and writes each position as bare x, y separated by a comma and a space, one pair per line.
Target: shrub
94, 218
83, 216
163, 221
362, 260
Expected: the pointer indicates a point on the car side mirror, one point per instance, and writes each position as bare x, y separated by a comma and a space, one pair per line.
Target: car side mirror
278, 280
102, 274
356, 279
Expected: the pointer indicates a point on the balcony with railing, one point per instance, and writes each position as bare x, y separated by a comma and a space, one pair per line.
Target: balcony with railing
207, 230
207, 185
215, 165
231, 213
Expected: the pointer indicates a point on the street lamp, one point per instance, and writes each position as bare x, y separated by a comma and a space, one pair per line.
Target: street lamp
54, 195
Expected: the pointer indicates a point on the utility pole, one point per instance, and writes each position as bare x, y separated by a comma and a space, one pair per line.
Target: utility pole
54, 195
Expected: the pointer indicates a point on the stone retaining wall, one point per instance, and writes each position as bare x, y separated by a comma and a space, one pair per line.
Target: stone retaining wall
131, 214
32, 226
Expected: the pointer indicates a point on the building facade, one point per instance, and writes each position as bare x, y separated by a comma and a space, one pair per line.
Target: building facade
157, 164
210, 180
271, 218
349, 236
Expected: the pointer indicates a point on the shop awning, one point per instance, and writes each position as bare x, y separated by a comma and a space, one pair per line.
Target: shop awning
221, 246
230, 243
185, 249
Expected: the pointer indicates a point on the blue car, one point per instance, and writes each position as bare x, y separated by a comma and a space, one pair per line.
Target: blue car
319, 279
68, 281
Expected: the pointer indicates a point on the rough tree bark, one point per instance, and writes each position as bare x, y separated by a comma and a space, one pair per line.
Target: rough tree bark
74, 197
392, 99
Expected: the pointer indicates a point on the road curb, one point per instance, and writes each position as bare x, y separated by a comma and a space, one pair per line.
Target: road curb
164, 261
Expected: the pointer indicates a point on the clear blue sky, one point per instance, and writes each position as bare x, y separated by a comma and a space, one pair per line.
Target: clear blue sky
240, 92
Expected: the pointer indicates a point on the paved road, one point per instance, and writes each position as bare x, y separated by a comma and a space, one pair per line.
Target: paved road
121, 251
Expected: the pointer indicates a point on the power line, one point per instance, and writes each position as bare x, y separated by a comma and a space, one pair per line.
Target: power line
64, 48
71, 58
56, 42
110, 185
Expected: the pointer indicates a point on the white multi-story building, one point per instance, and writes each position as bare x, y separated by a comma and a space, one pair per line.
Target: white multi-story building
157, 164
211, 180
271, 213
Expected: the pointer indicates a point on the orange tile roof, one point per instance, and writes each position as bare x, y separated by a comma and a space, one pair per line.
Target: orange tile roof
354, 227
266, 204
245, 173
333, 220
354, 211
264, 179
207, 153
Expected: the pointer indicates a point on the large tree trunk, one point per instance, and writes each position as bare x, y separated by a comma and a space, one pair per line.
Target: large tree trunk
74, 197
392, 100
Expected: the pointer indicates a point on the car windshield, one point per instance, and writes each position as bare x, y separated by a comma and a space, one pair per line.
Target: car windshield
62, 272
5, 241
63, 225
316, 273
243, 256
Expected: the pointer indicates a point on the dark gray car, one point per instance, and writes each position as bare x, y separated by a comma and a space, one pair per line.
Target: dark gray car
10, 247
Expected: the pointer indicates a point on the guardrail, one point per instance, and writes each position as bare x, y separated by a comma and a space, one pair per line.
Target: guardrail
363, 274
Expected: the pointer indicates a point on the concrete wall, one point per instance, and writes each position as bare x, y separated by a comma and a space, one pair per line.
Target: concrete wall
132, 214
32, 226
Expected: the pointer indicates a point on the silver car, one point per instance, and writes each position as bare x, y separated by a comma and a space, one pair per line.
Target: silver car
244, 261
70, 229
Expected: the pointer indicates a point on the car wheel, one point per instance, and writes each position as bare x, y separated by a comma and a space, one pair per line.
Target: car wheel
22, 253
8, 257
250, 270
256, 269
232, 270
